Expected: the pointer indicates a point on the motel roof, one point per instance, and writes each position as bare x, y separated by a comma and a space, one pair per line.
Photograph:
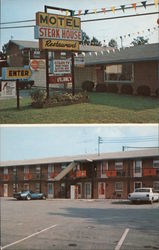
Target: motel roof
147, 52
97, 55
135, 154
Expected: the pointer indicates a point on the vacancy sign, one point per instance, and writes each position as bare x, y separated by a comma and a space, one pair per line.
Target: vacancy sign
58, 32
61, 67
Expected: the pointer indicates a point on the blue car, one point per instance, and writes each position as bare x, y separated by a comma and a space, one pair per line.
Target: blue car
29, 195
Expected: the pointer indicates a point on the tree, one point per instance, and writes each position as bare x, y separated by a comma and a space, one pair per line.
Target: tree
140, 40
113, 43
95, 42
85, 39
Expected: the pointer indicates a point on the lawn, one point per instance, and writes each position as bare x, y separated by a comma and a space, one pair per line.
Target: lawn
103, 108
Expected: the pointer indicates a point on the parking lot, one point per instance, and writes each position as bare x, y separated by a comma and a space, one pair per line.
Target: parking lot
78, 224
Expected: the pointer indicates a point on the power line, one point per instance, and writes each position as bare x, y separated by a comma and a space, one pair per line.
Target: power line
17, 27
110, 18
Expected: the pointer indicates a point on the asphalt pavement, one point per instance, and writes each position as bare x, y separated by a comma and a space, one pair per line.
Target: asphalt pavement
78, 225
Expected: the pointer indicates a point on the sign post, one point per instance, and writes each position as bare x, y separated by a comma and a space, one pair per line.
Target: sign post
18, 97
73, 78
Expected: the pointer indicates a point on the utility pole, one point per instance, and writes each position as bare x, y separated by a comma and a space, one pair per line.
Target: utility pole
121, 38
99, 141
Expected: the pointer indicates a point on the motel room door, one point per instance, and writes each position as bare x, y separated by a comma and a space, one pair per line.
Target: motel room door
101, 190
88, 190
50, 190
5, 190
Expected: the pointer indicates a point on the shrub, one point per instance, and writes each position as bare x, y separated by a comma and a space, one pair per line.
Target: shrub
38, 97
88, 86
101, 87
127, 89
112, 88
143, 90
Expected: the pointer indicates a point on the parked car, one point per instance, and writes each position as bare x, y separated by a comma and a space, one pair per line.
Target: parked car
29, 195
143, 195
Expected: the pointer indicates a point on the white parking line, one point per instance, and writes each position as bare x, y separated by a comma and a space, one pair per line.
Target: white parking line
118, 246
32, 235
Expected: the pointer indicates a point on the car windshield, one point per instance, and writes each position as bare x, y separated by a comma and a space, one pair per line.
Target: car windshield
143, 190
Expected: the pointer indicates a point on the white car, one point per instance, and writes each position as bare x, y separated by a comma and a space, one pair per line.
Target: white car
143, 195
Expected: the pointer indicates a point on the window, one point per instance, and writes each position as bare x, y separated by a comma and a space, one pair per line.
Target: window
137, 185
156, 163
15, 188
156, 185
118, 165
38, 169
118, 73
26, 172
103, 168
37, 187
50, 171
118, 186
137, 168
26, 186
5, 171
63, 166
14, 171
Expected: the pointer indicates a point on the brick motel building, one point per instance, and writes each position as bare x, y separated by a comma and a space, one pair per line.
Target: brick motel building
104, 176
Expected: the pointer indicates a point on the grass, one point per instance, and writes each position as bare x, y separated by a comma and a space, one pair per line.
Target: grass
103, 108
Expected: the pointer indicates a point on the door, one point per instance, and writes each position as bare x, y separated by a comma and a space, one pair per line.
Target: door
79, 185
50, 190
88, 190
5, 190
101, 190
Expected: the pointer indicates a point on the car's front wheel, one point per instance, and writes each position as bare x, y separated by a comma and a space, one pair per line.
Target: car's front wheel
28, 198
43, 197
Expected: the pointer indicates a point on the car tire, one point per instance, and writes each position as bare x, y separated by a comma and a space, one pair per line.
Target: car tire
28, 198
43, 197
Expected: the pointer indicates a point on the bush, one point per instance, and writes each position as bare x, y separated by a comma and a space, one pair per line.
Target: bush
143, 90
112, 88
127, 89
88, 86
38, 97
62, 99
101, 87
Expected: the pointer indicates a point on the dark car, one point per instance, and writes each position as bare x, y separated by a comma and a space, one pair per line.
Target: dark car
29, 195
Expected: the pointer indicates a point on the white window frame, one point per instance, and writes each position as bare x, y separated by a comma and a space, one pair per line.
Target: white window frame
26, 171
38, 171
156, 162
119, 165
116, 81
37, 189
116, 189
5, 171
51, 170
103, 169
137, 174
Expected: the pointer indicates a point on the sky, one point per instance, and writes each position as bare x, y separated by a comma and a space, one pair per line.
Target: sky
17, 10
39, 141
